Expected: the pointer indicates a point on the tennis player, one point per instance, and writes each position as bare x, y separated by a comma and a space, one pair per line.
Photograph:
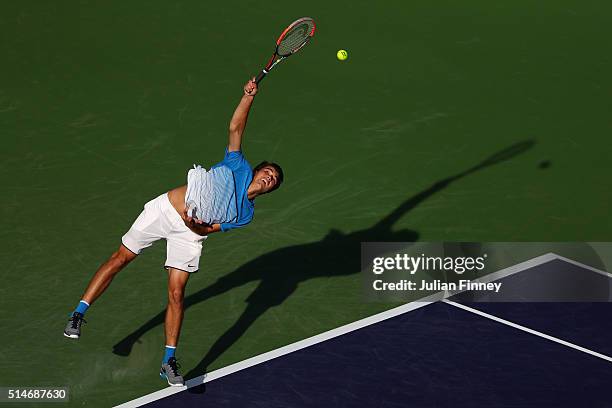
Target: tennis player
219, 200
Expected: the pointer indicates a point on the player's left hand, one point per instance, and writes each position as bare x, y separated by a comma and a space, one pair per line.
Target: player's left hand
193, 223
250, 88
190, 221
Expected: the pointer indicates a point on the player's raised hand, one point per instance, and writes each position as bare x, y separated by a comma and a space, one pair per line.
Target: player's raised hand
250, 88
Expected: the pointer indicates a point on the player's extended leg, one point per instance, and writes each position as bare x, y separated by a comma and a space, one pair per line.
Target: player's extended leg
98, 284
106, 272
177, 280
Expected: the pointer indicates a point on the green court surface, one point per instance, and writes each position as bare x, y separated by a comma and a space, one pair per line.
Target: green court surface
105, 105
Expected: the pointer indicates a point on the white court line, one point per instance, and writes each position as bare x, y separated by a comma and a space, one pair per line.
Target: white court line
241, 365
583, 266
527, 329
290, 348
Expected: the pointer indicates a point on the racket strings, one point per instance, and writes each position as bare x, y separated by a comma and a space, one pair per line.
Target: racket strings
295, 38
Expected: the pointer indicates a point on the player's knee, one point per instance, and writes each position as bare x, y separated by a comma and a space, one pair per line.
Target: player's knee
122, 257
175, 296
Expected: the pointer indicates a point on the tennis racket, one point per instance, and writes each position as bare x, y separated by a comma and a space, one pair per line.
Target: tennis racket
290, 41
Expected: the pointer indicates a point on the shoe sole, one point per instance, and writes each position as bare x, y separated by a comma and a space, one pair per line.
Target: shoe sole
71, 336
165, 377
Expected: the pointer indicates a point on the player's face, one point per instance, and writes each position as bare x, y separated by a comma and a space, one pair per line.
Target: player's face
267, 178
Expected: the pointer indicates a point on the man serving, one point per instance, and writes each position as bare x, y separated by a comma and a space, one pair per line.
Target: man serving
216, 200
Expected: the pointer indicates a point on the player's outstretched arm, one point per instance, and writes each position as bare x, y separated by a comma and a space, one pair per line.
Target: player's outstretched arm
241, 114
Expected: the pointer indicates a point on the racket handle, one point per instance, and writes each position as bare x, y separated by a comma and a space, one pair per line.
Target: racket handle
261, 76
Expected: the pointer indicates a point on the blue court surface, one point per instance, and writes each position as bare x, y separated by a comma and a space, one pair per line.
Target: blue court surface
449, 353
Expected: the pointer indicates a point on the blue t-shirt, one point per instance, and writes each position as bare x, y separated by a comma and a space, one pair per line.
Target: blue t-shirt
243, 175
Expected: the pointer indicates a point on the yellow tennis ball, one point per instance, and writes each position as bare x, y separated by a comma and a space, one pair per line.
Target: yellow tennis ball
342, 55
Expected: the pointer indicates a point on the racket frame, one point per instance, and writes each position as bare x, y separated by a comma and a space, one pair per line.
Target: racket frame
276, 57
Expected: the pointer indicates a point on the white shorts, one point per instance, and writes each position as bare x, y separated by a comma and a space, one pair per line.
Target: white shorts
160, 220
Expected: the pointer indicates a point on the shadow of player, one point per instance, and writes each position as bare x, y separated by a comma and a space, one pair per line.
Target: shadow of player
281, 271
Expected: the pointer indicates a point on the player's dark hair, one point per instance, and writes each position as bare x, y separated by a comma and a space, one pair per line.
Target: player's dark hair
275, 167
